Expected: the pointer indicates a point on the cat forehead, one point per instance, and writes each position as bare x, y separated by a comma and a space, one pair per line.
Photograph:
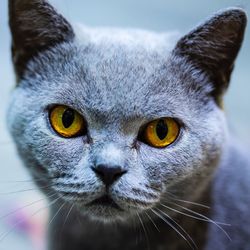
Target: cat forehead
104, 52
106, 71
114, 53
103, 57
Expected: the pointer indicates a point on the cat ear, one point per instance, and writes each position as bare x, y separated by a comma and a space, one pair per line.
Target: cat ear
35, 26
214, 45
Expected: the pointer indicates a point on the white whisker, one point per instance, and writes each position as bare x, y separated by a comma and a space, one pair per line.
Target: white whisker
25, 190
168, 223
191, 202
183, 230
145, 232
67, 216
210, 220
28, 205
188, 215
152, 221
57, 212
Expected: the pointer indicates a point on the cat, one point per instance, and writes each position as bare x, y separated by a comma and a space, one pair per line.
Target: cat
124, 131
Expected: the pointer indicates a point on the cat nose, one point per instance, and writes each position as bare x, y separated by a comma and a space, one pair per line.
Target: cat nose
108, 174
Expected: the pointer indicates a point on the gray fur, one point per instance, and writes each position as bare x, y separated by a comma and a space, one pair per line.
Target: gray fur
119, 81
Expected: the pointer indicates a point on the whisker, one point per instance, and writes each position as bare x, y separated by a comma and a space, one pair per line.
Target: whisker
205, 217
67, 216
152, 221
169, 224
135, 230
145, 232
185, 201
193, 245
29, 180
140, 233
15, 181
57, 212
65, 220
25, 190
188, 215
201, 215
192, 203
28, 205
4, 235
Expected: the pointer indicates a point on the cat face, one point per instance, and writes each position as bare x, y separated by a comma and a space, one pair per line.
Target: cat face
118, 83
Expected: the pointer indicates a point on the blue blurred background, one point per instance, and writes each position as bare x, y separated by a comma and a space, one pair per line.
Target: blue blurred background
157, 15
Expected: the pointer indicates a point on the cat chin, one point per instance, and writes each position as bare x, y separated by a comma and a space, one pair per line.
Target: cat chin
105, 214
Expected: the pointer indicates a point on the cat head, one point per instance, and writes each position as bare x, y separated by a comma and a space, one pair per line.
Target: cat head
117, 121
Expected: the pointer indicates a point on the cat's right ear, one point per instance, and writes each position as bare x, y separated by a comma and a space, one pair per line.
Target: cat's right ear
213, 46
35, 26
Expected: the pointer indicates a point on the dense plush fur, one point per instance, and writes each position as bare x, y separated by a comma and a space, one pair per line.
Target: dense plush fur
119, 80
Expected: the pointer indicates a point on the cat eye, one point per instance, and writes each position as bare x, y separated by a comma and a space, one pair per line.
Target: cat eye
67, 122
161, 132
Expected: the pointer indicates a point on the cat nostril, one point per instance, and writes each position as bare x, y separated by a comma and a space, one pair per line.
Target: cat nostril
108, 174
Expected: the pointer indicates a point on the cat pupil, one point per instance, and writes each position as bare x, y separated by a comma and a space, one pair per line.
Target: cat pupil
68, 118
161, 129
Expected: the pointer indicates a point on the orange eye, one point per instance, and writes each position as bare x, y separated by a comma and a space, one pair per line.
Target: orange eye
67, 122
161, 132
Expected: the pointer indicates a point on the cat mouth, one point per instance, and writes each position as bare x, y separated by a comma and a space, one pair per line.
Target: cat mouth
105, 201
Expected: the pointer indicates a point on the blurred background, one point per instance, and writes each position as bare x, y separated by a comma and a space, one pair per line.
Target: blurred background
22, 229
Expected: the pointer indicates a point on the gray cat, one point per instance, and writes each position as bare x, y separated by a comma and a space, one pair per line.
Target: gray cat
125, 133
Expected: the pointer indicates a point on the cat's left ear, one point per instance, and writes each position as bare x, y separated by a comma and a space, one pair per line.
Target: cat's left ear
213, 46
35, 26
